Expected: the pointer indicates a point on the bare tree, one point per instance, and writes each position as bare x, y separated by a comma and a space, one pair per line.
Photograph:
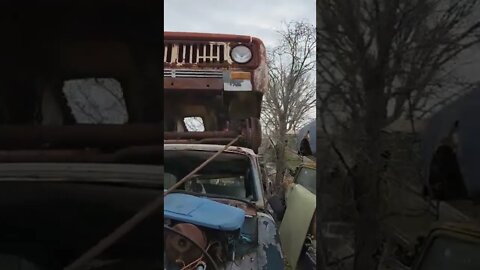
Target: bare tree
291, 93
379, 61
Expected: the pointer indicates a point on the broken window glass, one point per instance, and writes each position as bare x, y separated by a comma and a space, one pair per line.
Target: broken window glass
96, 101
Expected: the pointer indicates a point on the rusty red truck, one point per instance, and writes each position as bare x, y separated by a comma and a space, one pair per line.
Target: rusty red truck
218, 79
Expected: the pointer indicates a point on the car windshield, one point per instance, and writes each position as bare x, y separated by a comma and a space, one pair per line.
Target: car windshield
227, 175
307, 178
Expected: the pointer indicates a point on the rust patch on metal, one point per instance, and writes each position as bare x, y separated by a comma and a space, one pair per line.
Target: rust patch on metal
193, 83
214, 65
245, 207
175, 57
251, 136
197, 53
260, 75
253, 133
179, 248
208, 36
200, 63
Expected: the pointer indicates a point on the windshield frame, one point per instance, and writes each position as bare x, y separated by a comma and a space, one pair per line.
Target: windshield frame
252, 160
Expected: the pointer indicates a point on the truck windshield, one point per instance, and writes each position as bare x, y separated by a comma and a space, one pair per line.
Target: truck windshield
227, 175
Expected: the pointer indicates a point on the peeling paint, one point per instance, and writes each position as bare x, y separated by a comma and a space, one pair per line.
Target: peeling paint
172, 59
192, 54
185, 50
260, 75
269, 251
268, 254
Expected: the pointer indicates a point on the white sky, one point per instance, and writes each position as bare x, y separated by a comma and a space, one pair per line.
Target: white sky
259, 18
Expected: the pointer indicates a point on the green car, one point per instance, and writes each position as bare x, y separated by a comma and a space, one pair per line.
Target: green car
298, 218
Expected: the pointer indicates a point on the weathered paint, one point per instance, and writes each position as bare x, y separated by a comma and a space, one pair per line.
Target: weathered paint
260, 75
206, 36
199, 84
229, 41
251, 136
257, 65
173, 56
270, 255
250, 211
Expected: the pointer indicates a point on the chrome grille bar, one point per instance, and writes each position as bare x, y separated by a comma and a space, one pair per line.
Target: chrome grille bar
185, 73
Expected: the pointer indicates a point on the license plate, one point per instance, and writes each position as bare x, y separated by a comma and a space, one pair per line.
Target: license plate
235, 85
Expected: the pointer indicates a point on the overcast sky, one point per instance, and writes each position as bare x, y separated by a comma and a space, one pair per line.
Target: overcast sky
259, 18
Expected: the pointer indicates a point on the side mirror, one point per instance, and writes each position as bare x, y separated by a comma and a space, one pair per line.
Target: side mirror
278, 206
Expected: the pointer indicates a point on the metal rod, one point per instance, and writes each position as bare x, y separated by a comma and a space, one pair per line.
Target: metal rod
128, 225
184, 179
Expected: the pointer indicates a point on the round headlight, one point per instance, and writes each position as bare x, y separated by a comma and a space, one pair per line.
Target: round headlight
241, 54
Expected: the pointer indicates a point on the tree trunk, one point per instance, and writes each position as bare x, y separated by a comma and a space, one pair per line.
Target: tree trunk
367, 235
280, 157
280, 162
367, 180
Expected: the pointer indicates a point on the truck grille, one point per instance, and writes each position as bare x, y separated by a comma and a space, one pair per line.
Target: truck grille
182, 53
184, 73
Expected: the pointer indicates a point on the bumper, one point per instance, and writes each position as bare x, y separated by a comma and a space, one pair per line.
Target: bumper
211, 80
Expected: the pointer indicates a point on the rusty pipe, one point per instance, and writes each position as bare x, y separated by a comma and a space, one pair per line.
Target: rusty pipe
199, 135
83, 135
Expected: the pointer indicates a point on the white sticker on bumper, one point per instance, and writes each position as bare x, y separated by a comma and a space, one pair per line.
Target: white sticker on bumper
237, 85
